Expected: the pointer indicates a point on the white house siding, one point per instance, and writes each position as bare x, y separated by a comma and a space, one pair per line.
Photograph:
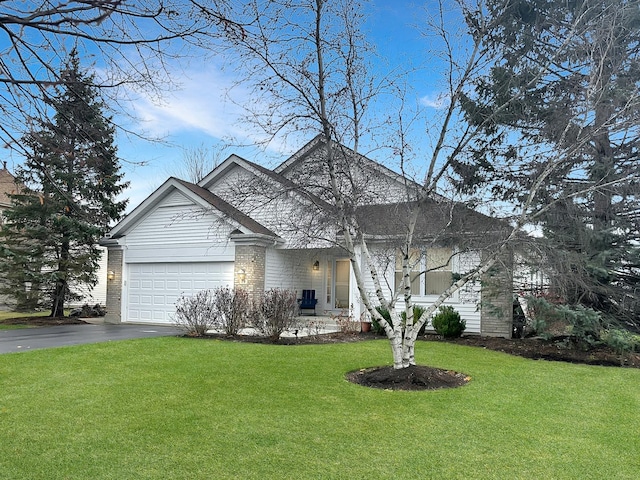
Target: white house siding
293, 269
269, 204
175, 233
178, 248
97, 294
382, 187
465, 301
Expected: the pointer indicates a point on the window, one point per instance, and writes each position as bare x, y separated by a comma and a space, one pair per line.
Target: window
430, 270
438, 275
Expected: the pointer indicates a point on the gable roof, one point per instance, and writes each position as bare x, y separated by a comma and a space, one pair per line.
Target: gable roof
318, 142
257, 169
229, 210
200, 196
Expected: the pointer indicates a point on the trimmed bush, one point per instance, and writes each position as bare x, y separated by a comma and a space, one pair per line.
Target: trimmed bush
447, 322
274, 312
621, 341
196, 314
232, 308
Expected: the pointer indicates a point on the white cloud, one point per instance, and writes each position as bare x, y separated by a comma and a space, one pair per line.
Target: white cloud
199, 105
437, 101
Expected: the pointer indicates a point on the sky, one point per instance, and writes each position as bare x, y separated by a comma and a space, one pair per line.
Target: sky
198, 114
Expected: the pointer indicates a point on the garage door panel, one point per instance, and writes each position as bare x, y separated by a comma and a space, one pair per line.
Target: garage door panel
154, 289
173, 268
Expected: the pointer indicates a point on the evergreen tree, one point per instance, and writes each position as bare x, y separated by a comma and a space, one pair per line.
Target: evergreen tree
565, 92
71, 178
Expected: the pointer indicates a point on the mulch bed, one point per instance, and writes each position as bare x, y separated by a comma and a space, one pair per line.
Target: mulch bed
560, 349
43, 321
419, 377
415, 377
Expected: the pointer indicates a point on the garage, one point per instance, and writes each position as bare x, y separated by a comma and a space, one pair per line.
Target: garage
154, 288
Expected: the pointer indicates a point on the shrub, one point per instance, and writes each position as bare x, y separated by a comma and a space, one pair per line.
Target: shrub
274, 312
197, 313
417, 313
550, 319
345, 322
621, 341
377, 328
232, 308
585, 323
375, 325
447, 322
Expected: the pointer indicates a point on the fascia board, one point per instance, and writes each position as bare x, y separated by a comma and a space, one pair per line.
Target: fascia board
221, 170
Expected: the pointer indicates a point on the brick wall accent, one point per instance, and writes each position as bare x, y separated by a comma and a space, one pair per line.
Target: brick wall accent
114, 287
497, 299
251, 259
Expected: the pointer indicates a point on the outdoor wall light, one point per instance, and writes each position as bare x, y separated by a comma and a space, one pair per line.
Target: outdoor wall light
111, 275
242, 275
316, 266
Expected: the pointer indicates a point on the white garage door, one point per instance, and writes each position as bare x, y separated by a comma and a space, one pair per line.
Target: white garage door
154, 288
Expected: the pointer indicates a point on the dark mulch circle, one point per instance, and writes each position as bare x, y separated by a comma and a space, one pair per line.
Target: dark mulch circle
415, 377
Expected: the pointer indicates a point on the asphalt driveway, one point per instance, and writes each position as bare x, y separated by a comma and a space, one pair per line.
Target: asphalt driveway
48, 337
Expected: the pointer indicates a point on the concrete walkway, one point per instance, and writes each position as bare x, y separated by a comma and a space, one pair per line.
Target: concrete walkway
24, 339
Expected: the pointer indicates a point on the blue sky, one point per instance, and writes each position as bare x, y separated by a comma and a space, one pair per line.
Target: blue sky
198, 114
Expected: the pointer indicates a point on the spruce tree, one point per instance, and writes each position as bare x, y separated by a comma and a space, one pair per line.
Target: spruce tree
71, 179
564, 91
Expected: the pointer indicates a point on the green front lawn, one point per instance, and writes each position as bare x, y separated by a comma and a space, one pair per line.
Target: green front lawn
193, 409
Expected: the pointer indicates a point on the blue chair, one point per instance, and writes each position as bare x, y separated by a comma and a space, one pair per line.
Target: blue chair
308, 301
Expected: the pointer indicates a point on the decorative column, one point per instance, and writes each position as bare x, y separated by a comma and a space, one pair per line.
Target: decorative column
115, 257
497, 299
250, 261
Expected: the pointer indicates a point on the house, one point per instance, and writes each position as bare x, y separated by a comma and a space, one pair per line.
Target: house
8, 186
248, 226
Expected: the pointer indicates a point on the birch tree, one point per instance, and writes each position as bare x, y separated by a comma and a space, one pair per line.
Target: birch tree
310, 68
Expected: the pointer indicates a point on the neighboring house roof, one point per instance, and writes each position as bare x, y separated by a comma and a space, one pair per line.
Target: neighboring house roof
8, 186
199, 196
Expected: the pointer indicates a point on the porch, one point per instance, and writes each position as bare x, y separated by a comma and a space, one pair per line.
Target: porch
306, 326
